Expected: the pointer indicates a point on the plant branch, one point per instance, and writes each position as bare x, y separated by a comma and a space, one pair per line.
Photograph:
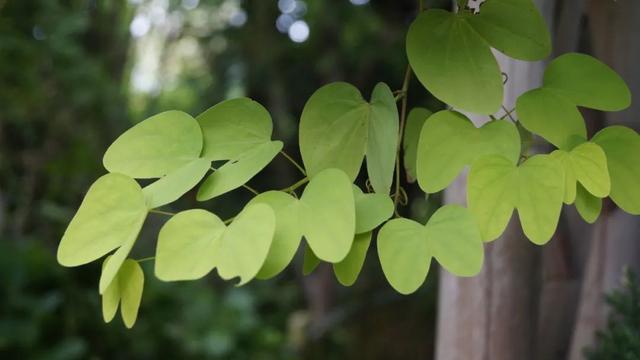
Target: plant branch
146, 259
296, 185
295, 163
161, 212
403, 116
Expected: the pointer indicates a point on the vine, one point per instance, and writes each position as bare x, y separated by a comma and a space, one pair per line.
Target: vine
450, 54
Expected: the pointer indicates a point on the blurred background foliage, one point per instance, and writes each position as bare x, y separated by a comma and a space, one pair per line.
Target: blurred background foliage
74, 74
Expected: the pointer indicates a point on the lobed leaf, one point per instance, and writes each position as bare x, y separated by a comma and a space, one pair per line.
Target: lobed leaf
349, 268
382, 145
125, 290
588, 206
172, 186
371, 210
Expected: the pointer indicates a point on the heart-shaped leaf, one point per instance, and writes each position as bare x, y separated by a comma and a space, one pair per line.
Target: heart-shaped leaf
348, 269
415, 121
338, 127
328, 215
234, 127
172, 186
371, 210
126, 291
622, 147
587, 82
536, 189
109, 217
515, 27
552, 116
287, 235
406, 247
155, 146
588, 206
236, 173
587, 164
187, 244
245, 244
449, 141
454, 62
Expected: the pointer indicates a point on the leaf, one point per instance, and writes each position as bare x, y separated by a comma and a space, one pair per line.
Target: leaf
338, 127
348, 269
187, 244
449, 141
175, 184
454, 62
588, 206
236, 173
287, 235
415, 120
311, 261
155, 146
454, 240
404, 254
110, 216
126, 291
110, 271
535, 188
551, 116
234, 127
514, 27
328, 215
587, 164
622, 147
371, 210
406, 247
245, 244
334, 129
587, 82
382, 145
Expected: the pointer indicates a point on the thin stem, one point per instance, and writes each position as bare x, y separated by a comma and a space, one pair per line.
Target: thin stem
296, 185
295, 163
229, 220
146, 259
508, 113
161, 212
403, 115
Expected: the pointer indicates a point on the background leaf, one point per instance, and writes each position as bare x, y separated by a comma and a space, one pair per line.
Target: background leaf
453, 62
411, 135
155, 146
588, 206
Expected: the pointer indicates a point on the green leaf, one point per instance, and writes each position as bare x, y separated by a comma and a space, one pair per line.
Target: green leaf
126, 291
454, 240
381, 144
310, 262
245, 244
622, 147
234, 127
328, 215
454, 62
405, 247
287, 235
236, 173
334, 129
371, 210
535, 188
187, 244
338, 127
155, 146
110, 216
588, 206
514, 27
404, 254
587, 164
415, 120
172, 186
348, 269
449, 141
551, 116
587, 82
110, 271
